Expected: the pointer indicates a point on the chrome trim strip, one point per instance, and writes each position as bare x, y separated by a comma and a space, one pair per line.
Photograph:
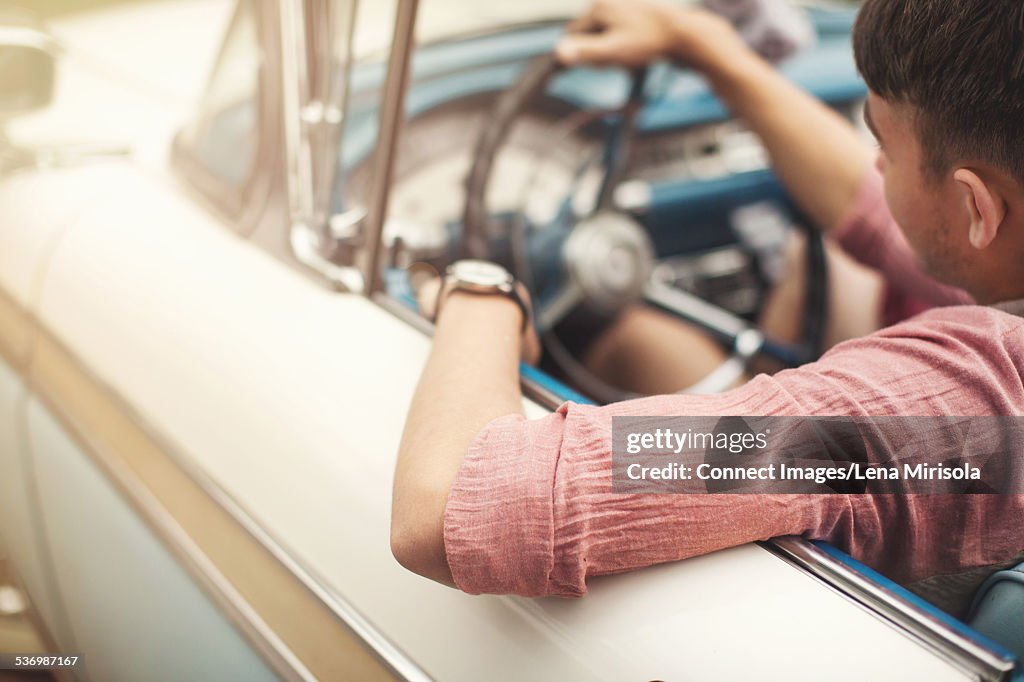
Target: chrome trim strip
300, 115
307, 249
403, 313
541, 395
295, 94
367, 637
394, 657
696, 310
167, 525
952, 646
173, 537
37, 523
392, 119
335, 22
16, 333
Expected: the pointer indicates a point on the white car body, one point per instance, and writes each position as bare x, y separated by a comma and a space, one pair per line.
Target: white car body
283, 402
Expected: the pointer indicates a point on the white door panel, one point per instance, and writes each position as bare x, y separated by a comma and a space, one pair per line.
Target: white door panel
292, 399
134, 612
20, 526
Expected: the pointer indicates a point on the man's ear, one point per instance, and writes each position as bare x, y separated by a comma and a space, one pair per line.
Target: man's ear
985, 207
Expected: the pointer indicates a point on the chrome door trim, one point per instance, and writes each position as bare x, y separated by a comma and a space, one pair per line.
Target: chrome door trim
392, 121
966, 654
396, 659
16, 334
303, 114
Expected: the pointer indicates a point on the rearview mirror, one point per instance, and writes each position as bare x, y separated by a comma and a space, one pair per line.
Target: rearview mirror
27, 67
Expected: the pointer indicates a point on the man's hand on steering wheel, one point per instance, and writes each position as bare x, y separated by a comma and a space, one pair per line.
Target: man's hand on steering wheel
634, 33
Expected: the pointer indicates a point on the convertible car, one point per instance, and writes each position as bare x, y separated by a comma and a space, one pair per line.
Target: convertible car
208, 342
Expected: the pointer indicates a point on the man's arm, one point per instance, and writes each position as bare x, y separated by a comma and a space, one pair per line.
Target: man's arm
818, 156
471, 378
533, 510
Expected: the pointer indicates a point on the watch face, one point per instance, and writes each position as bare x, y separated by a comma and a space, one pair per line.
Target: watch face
480, 273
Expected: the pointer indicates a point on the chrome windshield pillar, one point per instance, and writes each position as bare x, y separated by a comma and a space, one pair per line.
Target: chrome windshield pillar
314, 33
392, 118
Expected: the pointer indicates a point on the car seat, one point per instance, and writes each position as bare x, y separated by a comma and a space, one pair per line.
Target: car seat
998, 609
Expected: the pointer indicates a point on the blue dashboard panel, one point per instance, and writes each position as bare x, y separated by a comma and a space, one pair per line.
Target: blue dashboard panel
445, 72
693, 216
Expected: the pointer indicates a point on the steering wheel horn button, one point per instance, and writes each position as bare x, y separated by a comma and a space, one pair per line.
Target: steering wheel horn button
609, 258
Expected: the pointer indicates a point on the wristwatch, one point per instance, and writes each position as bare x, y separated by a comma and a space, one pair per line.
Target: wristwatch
485, 278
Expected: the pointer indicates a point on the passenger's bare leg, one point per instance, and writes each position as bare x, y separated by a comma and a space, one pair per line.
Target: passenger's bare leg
648, 351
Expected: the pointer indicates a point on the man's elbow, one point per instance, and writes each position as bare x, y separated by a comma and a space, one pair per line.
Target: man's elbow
418, 545
408, 547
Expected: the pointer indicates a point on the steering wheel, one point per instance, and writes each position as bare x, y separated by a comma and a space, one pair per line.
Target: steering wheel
608, 260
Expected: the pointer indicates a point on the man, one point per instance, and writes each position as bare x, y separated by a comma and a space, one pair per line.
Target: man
526, 506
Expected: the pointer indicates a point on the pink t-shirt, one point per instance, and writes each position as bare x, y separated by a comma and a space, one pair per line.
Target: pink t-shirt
532, 511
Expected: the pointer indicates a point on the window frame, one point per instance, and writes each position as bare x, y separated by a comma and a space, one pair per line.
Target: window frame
240, 206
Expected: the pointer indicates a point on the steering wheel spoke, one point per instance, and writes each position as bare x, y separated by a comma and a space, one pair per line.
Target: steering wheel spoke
554, 310
603, 259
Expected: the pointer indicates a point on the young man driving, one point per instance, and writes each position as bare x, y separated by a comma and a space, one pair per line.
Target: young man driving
488, 501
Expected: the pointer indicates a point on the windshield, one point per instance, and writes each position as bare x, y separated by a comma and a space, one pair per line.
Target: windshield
441, 19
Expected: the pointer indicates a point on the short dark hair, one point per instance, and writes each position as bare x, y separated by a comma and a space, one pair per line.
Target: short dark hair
959, 64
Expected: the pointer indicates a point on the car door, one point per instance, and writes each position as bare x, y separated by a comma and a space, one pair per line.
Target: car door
103, 582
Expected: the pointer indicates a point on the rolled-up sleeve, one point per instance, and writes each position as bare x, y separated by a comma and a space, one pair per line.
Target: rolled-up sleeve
532, 510
499, 520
